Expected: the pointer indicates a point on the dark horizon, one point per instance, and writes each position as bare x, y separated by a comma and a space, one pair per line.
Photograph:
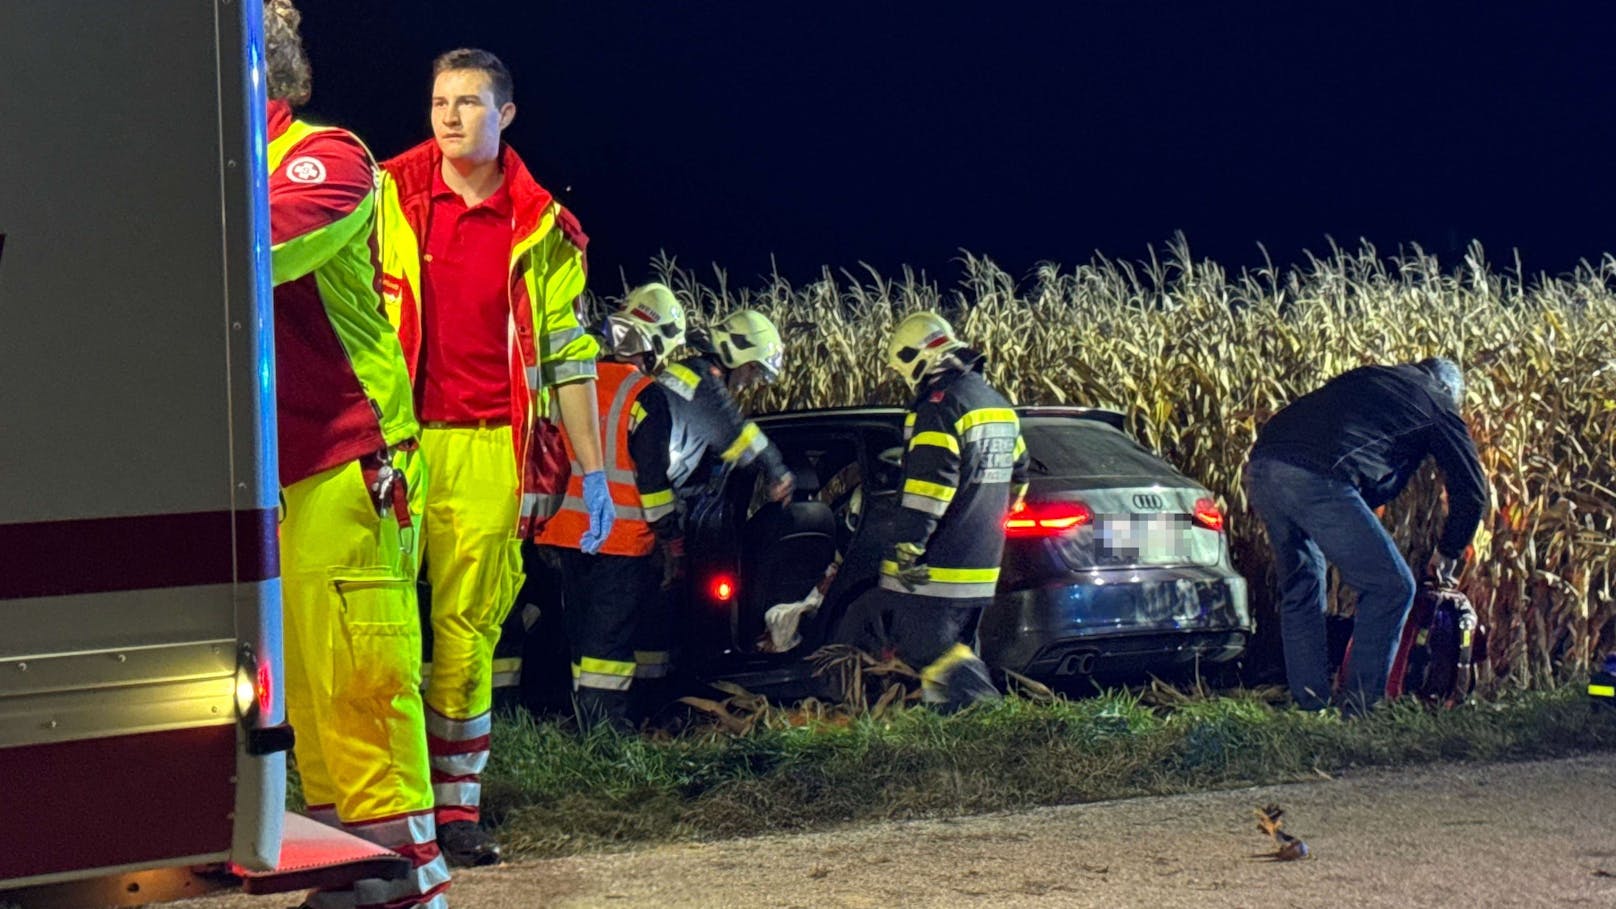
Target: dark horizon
900, 134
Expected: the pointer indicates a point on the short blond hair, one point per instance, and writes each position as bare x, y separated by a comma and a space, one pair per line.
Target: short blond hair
287, 74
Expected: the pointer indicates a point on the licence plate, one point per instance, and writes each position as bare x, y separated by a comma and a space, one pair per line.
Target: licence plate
1153, 539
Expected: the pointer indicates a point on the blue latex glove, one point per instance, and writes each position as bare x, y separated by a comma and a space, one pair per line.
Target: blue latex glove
598, 502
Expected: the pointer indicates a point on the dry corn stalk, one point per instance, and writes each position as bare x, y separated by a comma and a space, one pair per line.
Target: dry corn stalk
1198, 358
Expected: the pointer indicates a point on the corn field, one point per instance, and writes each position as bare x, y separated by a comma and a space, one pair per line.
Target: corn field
1198, 359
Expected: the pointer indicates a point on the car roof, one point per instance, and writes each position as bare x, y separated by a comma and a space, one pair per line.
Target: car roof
885, 413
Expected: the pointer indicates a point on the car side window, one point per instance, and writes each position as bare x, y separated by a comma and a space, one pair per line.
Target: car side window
883, 448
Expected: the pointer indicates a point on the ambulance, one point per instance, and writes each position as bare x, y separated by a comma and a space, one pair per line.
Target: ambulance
143, 739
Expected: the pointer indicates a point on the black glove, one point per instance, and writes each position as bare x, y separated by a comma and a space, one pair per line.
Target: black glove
673, 561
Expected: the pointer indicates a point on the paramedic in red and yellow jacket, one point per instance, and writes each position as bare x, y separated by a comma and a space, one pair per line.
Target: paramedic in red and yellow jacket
352, 487
483, 266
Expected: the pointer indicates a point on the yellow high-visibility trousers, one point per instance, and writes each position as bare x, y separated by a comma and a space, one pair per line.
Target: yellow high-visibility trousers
474, 567
353, 673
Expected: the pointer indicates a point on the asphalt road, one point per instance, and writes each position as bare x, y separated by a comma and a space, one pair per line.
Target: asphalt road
1471, 835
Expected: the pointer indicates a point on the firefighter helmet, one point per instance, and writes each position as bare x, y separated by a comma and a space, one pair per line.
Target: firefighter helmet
749, 337
651, 320
918, 343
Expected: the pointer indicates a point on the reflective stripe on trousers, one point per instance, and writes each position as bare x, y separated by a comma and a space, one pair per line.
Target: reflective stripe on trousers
651, 664
464, 793
608, 675
413, 835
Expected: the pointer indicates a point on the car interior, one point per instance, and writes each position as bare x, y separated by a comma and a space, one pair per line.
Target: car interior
785, 549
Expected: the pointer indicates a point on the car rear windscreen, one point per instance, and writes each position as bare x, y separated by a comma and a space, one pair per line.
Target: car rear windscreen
1085, 449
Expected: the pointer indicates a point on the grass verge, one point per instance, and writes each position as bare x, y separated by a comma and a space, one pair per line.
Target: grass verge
555, 794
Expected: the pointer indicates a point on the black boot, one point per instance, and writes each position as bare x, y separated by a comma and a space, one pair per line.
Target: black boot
599, 707
464, 844
966, 683
649, 698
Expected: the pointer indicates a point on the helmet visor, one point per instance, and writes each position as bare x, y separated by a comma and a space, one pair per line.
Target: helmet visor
625, 336
771, 366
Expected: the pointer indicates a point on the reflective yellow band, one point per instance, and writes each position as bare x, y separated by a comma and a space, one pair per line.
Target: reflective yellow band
682, 375
949, 575
656, 504
610, 675
964, 575
651, 664
930, 490
937, 673
984, 415
636, 413
939, 439
1602, 691
606, 667
1021, 446
750, 438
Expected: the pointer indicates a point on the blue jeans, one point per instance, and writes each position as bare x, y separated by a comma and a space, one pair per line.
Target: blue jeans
1311, 518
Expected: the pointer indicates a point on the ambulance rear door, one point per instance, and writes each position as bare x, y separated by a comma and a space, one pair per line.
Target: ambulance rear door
140, 653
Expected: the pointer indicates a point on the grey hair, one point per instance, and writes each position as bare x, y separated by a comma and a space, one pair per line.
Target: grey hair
1447, 374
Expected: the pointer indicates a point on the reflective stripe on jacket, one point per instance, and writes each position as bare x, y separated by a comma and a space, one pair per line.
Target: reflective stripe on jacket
706, 418
965, 462
342, 389
547, 270
618, 388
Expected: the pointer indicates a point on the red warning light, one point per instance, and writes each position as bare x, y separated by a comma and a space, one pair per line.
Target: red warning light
723, 589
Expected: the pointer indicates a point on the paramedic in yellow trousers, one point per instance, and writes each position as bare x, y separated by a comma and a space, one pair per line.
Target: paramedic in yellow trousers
352, 487
483, 266
609, 596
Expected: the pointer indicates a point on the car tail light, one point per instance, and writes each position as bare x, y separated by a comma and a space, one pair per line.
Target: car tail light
1208, 515
722, 588
1046, 519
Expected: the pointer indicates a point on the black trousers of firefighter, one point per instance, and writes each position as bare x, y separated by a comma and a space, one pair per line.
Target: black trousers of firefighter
935, 636
602, 596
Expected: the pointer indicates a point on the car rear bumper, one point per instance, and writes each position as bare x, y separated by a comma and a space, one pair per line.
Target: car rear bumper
1118, 622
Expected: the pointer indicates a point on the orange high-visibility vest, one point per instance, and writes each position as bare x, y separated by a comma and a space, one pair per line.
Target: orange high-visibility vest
617, 387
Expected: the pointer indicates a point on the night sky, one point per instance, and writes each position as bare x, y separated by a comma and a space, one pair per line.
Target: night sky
835, 132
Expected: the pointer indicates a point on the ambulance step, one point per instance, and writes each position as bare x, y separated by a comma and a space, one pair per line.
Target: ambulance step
314, 855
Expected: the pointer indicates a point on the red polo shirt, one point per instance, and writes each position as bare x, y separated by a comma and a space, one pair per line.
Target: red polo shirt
464, 374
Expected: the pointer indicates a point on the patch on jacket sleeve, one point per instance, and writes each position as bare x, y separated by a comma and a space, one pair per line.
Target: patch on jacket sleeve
306, 169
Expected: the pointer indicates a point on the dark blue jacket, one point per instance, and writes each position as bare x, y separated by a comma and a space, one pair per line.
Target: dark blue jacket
1373, 427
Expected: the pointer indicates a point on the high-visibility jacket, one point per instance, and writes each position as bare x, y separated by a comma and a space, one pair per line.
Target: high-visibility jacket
964, 464
705, 418
342, 390
548, 346
634, 423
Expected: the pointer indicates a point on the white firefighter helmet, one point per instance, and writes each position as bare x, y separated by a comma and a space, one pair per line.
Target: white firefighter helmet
749, 337
918, 343
651, 320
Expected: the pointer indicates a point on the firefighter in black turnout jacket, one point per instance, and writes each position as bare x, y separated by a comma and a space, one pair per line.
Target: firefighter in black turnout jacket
964, 470
737, 353
608, 596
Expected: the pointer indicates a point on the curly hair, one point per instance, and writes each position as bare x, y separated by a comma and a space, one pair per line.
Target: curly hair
499, 78
287, 76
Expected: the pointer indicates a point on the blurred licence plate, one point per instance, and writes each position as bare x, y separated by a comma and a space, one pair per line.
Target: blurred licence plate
1145, 539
